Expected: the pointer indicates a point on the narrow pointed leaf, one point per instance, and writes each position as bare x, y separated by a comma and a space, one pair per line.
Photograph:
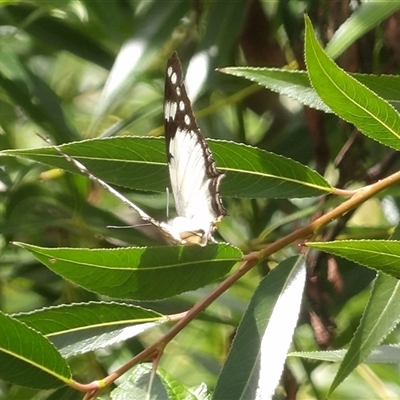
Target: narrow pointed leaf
381, 255
382, 312
138, 384
140, 273
80, 328
380, 317
385, 354
29, 359
256, 358
140, 163
296, 84
348, 98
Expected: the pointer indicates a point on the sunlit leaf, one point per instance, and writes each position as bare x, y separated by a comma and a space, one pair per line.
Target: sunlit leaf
264, 336
140, 273
348, 98
381, 255
140, 163
296, 85
79, 328
381, 355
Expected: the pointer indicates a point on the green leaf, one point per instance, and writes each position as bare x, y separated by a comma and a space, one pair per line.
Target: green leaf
385, 354
29, 359
296, 85
381, 314
140, 163
139, 384
348, 98
139, 273
381, 255
367, 16
80, 328
264, 335
379, 319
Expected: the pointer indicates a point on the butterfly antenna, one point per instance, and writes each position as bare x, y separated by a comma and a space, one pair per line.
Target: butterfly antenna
127, 226
103, 184
167, 191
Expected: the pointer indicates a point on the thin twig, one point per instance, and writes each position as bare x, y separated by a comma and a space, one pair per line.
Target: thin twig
249, 262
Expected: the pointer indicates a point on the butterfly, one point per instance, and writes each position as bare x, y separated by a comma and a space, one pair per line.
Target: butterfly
195, 180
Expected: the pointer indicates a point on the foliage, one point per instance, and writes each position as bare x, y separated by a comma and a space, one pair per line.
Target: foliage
307, 260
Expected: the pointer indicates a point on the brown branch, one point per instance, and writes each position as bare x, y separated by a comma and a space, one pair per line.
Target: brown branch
249, 261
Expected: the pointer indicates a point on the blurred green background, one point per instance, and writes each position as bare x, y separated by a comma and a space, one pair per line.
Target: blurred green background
73, 70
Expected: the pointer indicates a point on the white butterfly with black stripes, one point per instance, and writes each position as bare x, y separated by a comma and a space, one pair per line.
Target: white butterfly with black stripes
194, 177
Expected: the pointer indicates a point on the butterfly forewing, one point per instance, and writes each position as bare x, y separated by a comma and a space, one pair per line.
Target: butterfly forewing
195, 180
